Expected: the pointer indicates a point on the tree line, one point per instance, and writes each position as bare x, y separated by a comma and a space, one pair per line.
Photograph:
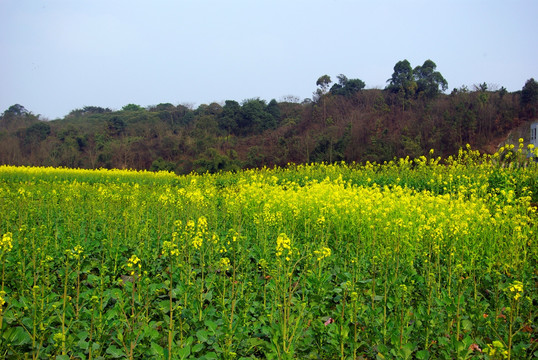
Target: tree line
342, 122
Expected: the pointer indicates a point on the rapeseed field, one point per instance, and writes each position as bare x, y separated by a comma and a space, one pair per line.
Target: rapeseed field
424, 258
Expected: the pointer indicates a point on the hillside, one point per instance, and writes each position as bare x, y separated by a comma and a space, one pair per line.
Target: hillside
350, 125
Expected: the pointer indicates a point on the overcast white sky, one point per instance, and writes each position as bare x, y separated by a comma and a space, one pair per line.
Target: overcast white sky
59, 55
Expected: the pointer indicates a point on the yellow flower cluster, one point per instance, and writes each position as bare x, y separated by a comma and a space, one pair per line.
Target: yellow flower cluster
202, 226
496, 348
133, 263
197, 242
323, 253
6, 243
76, 253
58, 338
104, 175
262, 264
224, 264
189, 228
283, 246
517, 288
170, 249
197, 232
2, 302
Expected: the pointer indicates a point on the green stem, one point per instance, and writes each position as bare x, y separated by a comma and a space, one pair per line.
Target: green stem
64, 351
171, 324
2, 293
342, 315
402, 320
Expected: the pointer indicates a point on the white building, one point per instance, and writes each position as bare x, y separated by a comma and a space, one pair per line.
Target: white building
534, 127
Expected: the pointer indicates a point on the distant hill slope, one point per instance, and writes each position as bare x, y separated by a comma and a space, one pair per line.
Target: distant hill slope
367, 125
519, 132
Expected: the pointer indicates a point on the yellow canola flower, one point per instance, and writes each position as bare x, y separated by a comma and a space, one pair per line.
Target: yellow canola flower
517, 288
170, 249
202, 225
495, 348
75, 253
190, 226
224, 264
283, 246
197, 242
6, 243
323, 253
201, 231
132, 263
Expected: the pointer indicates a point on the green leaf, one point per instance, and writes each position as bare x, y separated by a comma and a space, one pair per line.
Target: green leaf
157, 349
17, 336
184, 352
82, 335
152, 333
115, 352
202, 335
467, 341
164, 306
211, 356
211, 325
196, 348
83, 344
189, 341
62, 357
252, 342
407, 349
422, 355
208, 295
443, 341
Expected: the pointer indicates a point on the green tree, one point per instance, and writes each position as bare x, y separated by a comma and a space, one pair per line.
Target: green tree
429, 81
17, 117
160, 164
214, 109
116, 126
16, 110
88, 110
323, 83
31, 139
95, 110
211, 109
228, 118
37, 132
347, 87
162, 107
529, 97
481, 87
254, 117
502, 91
402, 80
212, 161
132, 107
273, 109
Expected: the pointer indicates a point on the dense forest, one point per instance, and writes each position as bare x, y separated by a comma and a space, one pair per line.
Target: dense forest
342, 121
